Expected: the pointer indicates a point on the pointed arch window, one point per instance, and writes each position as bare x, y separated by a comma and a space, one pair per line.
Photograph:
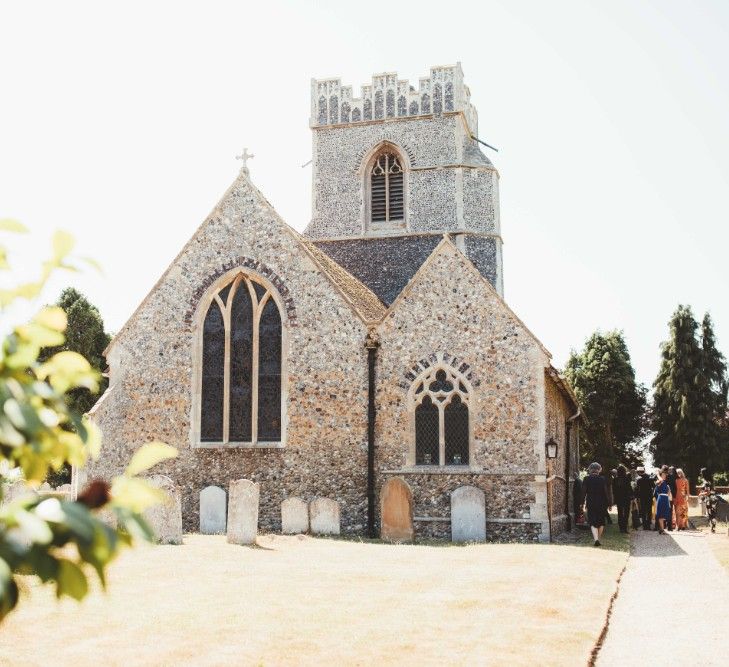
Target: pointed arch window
442, 420
240, 388
387, 189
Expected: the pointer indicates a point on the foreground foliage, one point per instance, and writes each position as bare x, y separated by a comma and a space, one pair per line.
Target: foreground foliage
58, 540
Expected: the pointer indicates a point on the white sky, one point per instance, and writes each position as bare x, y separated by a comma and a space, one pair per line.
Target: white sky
120, 123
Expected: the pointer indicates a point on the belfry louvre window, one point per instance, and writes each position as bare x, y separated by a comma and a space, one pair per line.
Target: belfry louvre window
387, 189
240, 392
441, 419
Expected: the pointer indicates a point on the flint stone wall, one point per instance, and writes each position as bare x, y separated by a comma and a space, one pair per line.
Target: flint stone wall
439, 189
151, 362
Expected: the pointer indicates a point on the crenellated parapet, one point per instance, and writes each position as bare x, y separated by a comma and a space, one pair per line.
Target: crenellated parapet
389, 97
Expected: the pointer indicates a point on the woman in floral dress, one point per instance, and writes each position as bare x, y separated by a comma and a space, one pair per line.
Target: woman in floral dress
680, 502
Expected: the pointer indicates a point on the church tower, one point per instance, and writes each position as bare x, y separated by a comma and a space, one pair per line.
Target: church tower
394, 170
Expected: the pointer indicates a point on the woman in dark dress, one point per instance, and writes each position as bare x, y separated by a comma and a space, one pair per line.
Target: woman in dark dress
663, 497
594, 489
623, 494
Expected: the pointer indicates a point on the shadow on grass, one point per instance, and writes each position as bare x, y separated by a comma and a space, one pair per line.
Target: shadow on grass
612, 539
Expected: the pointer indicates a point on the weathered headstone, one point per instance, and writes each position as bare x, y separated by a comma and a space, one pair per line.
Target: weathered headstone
294, 516
16, 490
468, 514
165, 519
212, 511
324, 516
243, 512
396, 505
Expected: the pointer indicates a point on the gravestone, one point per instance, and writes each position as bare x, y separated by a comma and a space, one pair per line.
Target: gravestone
468, 514
396, 507
294, 516
165, 519
324, 516
212, 511
243, 512
16, 490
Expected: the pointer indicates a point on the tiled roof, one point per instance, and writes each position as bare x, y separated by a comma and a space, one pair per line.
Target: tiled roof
360, 296
385, 264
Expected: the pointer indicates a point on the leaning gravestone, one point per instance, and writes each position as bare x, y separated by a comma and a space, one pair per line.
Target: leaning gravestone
165, 519
212, 511
396, 505
468, 514
243, 512
324, 516
294, 516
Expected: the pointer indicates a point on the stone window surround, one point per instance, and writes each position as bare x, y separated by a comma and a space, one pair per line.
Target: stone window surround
370, 228
413, 400
197, 348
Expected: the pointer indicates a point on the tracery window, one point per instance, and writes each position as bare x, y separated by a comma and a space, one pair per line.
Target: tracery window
240, 391
387, 196
442, 430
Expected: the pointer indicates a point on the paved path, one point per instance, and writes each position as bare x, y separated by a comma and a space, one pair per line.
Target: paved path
672, 604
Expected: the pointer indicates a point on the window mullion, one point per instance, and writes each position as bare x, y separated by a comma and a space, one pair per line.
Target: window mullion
387, 188
441, 434
226, 369
257, 308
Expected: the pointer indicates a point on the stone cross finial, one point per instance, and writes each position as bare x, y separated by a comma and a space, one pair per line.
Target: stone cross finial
245, 156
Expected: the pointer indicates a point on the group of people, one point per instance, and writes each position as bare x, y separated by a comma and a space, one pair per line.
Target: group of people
659, 500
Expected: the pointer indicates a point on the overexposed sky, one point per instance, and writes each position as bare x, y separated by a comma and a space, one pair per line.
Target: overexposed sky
120, 123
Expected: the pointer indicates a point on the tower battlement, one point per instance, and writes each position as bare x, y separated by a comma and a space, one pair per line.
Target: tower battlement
389, 97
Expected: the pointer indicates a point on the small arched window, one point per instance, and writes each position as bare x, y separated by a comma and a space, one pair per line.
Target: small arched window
442, 428
240, 389
387, 188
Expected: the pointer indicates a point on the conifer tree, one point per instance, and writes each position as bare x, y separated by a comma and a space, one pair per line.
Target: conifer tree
604, 381
690, 397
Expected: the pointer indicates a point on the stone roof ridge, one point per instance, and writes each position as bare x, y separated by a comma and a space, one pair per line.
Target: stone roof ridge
448, 243
242, 180
360, 297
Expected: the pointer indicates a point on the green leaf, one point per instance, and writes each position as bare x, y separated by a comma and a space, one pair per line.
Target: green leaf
71, 580
10, 225
52, 317
135, 494
33, 528
92, 438
68, 370
93, 264
149, 455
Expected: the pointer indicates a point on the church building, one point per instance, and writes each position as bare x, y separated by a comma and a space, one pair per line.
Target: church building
375, 344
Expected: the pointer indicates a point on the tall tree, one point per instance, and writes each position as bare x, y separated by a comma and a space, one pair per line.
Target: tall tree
603, 377
84, 334
690, 396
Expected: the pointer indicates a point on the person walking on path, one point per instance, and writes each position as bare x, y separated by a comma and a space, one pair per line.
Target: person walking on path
663, 502
671, 479
680, 500
644, 491
622, 494
594, 488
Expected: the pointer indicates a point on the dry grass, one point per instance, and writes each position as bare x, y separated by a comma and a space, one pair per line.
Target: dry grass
299, 600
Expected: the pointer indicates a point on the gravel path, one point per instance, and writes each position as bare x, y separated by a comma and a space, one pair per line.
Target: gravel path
672, 604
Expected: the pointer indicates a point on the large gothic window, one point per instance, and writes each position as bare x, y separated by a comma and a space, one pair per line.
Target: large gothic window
387, 188
441, 418
240, 392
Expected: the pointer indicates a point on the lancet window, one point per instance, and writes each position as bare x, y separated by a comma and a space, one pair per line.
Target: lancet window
240, 390
387, 188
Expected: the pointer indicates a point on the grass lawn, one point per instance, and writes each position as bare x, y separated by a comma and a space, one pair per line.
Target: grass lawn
612, 539
301, 600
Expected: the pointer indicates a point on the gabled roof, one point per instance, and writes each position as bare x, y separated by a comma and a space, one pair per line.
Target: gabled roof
365, 304
447, 243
